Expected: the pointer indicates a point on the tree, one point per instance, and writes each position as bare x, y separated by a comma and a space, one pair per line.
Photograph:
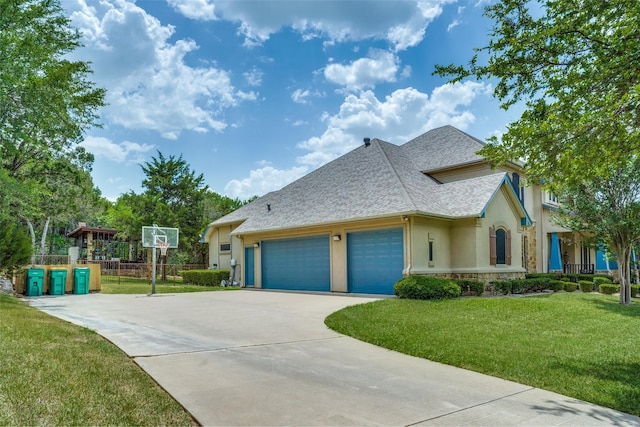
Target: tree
46, 105
174, 197
574, 65
15, 247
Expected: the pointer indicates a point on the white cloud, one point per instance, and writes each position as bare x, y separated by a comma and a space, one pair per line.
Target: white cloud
130, 152
379, 67
253, 77
402, 115
195, 9
300, 96
401, 23
454, 24
149, 84
262, 181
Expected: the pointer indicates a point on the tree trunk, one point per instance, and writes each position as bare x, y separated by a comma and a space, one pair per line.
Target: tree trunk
33, 240
43, 240
624, 259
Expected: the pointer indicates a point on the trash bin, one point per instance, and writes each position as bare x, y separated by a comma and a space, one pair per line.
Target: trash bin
33, 285
57, 282
81, 280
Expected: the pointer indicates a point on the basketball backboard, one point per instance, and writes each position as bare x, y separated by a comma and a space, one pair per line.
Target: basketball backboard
152, 235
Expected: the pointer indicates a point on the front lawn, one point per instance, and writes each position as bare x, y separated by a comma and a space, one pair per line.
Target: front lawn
55, 373
585, 346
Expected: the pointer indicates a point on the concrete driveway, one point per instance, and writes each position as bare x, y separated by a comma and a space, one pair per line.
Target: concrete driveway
266, 358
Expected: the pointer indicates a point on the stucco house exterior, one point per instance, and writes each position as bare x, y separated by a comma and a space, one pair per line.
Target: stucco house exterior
361, 222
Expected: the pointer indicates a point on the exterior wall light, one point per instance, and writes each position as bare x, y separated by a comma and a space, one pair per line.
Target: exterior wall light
336, 237
256, 245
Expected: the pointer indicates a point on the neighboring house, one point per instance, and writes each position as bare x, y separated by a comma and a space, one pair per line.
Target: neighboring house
97, 244
363, 221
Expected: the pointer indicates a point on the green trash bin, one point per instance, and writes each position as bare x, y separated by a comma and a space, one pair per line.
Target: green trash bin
35, 279
57, 282
81, 280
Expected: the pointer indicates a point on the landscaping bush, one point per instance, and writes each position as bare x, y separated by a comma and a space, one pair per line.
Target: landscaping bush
600, 280
503, 287
556, 285
570, 286
426, 287
634, 290
204, 277
609, 288
585, 285
470, 286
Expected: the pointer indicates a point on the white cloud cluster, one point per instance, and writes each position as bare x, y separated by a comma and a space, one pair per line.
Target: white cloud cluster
401, 23
149, 83
125, 152
263, 180
379, 66
397, 118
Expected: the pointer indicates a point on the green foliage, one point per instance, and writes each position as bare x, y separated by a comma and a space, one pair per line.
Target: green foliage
426, 287
556, 285
504, 287
634, 290
570, 286
568, 277
585, 285
15, 246
470, 286
204, 277
608, 288
598, 281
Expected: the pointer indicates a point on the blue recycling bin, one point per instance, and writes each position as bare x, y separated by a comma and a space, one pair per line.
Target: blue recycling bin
33, 284
81, 280
57, 282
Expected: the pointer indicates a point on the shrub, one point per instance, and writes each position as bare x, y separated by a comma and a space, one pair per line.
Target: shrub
609, 288
585, 285
470, 286
204, 277
570, 286
504, 287
426, 287
598, 281
634, 290
556, 285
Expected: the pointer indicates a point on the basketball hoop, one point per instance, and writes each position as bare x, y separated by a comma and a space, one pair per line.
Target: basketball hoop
163, 247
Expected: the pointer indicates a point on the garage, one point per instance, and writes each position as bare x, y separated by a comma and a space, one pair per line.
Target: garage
296, 264
375, 260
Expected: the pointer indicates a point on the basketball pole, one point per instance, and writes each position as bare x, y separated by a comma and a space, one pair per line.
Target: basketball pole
153, 270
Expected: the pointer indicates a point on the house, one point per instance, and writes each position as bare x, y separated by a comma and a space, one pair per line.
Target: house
97, 244
378, 213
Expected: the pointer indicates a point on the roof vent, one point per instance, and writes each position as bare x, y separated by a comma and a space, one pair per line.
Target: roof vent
367, 142
268, 207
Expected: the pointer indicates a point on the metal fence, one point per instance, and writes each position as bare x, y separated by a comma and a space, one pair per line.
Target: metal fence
115, 271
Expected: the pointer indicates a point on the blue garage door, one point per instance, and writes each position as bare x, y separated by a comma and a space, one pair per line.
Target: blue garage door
296, 264
375, 260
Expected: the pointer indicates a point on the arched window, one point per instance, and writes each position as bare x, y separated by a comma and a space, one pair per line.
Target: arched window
499, 246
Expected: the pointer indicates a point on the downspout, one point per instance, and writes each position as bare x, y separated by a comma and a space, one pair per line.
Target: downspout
409, 221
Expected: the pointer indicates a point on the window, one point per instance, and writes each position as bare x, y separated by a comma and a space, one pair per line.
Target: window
225, 247
499, 246
515, 181
550, 199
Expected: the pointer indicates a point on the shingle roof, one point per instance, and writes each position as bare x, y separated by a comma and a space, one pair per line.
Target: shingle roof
380, 180
443, 147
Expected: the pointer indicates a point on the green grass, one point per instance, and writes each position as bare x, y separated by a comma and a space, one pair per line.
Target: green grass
580, 345
56, 373
130, 285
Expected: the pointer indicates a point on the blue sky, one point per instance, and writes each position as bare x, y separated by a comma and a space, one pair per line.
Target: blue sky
255, 94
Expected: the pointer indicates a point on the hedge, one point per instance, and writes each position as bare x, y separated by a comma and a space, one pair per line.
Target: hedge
426, 287
585, 285
568, 277
609, 288
570, 286
204, 277
634, 290
601, 280
470, 286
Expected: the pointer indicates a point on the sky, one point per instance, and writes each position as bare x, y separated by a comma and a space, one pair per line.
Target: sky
255, 94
